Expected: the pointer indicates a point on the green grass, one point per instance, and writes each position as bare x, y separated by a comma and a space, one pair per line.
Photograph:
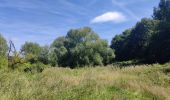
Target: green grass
144, 82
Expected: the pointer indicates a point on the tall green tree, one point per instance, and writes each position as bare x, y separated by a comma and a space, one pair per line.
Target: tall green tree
140, 38
148, 40
58, 52
81, 47
160, 46
162, 12
133, 43
31, 51
119, 44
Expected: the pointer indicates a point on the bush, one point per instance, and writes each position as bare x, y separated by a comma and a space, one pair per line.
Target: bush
3, 52
3, 62
33, 68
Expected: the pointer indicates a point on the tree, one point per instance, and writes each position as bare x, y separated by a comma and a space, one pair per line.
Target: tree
53, 59
119, 43
31, 48
31, 51
59, 42
81, 47
58, 52
79, 36
140, 38
3, 52
44, 55
160, 46
133, 43
162, 12
148, 40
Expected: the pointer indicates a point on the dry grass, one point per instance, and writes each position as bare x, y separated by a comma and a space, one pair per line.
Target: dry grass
143, 82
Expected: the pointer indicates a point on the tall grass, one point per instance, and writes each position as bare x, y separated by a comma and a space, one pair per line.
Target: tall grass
143, 82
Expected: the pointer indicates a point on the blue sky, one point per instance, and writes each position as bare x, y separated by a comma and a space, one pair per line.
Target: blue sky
42, 21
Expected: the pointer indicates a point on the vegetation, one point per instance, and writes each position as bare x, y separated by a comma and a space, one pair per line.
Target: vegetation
121, 70
3, 50
145, 82
133, 43
81, 47
148, 40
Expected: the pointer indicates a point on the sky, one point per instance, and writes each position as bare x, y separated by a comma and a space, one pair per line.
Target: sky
42, 21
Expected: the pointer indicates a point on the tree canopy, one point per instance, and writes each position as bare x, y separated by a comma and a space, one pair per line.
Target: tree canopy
81, 47
148, 40
161, 42
133, 43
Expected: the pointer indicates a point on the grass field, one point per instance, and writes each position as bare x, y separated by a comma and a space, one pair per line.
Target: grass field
144, 82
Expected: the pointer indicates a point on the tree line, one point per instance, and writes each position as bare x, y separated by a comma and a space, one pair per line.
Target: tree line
148, 41
79, 48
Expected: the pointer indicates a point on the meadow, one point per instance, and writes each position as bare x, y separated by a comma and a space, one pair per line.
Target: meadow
96, 59
140, 82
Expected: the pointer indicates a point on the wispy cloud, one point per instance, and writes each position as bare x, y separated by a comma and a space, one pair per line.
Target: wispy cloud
22, 31
115, 17
43, 20
92, 2
18, 4
122, 5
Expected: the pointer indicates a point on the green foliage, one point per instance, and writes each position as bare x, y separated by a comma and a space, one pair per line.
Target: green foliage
133, 43
15, 61
3, 46
34, 53
162, 12
44, 55
53, 59
79, 36
33, 68
145, 82
35, 58
148, 40
3, 52
119, 44
3, 62
160, 47
79, 48
31, 48
59, 42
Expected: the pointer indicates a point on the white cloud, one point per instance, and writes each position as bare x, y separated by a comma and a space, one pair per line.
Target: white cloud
115, 17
